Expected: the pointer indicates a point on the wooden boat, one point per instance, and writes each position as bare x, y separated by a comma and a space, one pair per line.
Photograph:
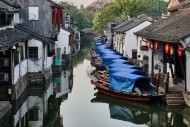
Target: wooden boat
145, 107
101, 75
103, 87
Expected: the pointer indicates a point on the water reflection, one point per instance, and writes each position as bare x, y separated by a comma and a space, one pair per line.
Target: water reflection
63, 83
40, 104
150, 115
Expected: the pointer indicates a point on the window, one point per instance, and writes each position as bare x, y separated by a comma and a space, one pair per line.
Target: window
16, 58
64, 73
4, 77
22, 52
4, 62
33, 13
5, 20
64, 50
33, 52
33, 114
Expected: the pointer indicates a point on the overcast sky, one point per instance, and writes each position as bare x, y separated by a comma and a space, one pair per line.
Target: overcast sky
79, 2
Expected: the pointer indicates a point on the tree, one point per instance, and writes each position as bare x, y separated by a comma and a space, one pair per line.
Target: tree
123, 9
79, 15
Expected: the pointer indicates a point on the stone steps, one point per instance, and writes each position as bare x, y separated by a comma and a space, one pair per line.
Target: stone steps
175, 98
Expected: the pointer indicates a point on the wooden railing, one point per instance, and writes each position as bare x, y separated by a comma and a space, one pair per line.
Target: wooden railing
162, 81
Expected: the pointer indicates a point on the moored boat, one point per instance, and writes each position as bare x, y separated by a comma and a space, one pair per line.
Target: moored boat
103, 87
119, 77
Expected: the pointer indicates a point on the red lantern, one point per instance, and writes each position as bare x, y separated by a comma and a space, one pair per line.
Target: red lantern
105, 26
167, 48
62, 12
180, 50
55, 10
156, 46
149, 44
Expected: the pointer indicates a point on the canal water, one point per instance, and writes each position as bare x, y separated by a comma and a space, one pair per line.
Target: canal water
85, 107
70, 100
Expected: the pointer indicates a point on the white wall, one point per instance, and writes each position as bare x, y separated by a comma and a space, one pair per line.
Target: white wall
16, 18
23, 67
16, 73
64, 84
139, 52
36, 65
63, 41
188, 70
150, 62
130, 39
21, 112
35, 101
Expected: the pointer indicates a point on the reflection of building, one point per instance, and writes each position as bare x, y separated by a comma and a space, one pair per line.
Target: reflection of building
64, 82
39, 108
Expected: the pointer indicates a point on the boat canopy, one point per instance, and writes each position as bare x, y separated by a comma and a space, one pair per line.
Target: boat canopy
107, 59
122, 62
119, 61
123, 65
102, 46
111, 56
125, 82
128, 70
106, 52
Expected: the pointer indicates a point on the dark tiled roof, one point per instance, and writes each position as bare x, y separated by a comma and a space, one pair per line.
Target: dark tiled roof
122, 24
53, 4
182, 5
155, 16
170, 29
10, 37
68, 30
129, 26
34, 34
9, 7
144, 48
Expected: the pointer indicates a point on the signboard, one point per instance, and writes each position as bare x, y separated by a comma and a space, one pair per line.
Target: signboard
33, 13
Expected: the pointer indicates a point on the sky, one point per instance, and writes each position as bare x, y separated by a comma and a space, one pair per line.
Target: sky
78, 2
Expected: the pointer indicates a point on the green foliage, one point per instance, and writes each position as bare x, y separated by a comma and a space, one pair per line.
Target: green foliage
79, 15
122, 9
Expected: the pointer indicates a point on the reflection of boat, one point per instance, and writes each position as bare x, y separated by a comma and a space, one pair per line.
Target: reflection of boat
133, 116
140, 113
140, 106
137, 113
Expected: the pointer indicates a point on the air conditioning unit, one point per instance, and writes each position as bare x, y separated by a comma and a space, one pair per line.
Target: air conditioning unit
4, 77
4, 62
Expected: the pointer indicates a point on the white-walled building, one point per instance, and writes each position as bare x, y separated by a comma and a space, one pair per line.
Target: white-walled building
108, 31
65, 42
168, 41
126, 40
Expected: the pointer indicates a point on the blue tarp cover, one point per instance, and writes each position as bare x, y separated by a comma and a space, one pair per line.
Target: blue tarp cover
119, 61
103, 46
132, 71
106, 52
124, 62
107, 59
123, 81
123, 65
111, 57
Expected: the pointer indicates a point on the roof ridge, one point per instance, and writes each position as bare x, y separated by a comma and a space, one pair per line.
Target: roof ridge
33, 33
11, 3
